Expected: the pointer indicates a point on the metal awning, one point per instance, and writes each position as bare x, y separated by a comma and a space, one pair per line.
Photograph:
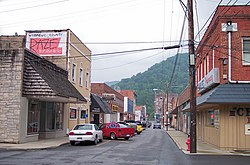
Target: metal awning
224, 94
98, 105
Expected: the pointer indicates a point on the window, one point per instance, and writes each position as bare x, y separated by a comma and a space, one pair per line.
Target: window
210, 118
72, 114
80, 77
74, 72
87, 80
83, 114
33, 116
246, 51
59, 115
205, 66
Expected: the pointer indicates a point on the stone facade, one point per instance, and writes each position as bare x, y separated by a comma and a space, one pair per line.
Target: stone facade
10, 93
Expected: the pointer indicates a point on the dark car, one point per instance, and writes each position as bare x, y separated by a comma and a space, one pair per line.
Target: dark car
157, 126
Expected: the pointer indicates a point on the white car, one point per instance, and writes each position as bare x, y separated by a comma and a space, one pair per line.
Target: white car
85, 132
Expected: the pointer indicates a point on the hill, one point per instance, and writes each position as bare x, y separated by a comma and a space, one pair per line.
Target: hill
155, 78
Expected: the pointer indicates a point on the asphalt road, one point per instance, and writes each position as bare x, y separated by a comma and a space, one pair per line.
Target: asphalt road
152, 147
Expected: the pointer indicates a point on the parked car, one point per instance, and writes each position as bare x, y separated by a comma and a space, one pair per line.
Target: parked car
138, 127
157, 126
85, 132
115, 130
149, 124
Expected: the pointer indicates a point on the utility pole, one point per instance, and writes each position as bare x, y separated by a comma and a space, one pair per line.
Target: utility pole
167, 106
193, 146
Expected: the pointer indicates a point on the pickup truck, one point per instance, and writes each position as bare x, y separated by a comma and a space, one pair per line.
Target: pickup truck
115, 130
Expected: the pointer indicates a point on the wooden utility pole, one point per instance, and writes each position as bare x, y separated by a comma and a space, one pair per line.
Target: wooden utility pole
193, 146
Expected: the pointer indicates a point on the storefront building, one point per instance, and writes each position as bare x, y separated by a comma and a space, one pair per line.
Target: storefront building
66, 50
223, 80
34, 93
99, 109
113, 98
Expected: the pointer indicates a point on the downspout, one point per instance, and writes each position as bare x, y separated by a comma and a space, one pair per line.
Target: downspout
229, 29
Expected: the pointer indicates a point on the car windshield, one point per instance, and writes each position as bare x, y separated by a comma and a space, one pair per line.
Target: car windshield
83, 127
123, 126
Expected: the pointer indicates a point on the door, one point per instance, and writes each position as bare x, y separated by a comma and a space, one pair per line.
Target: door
96, 119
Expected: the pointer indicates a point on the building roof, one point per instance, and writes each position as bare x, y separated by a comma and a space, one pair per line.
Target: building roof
42, 78
225, 94
129, 93
98, 105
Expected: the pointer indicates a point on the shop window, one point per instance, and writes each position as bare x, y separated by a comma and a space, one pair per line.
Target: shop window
83, 114
246, 51
59, 115
33, 118
72, 113
210, 118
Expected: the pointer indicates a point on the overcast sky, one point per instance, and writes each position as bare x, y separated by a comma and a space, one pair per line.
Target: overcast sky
110, 26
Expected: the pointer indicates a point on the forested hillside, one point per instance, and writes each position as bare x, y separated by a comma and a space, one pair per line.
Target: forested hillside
155, 78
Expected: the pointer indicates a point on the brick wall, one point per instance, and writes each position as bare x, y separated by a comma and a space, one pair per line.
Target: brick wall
216, 39
11, 69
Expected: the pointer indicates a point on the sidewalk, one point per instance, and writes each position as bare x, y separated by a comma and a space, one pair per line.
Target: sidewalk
180, 139
41, 144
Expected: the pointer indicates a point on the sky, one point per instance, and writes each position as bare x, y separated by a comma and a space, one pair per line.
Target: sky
108, 26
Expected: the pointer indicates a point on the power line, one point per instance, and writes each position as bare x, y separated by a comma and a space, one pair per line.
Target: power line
208, 19
177, 55
129, 62
24, 8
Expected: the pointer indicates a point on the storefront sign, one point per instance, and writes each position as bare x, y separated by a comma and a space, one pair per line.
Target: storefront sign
96, 109
239, 111
209, 80
47, 43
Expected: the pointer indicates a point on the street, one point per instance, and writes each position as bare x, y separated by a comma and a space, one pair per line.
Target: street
152, 147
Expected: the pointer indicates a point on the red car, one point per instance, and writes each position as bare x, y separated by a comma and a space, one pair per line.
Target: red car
115, 130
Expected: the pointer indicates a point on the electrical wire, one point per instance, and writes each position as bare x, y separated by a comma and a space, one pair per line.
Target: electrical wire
35, 6
177, 55
129, 62
198, 33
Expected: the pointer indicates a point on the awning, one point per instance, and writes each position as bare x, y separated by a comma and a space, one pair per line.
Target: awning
98, 105
224, 94
45, 81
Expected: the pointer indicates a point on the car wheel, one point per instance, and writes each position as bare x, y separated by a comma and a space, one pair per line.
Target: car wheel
138, 133
72, 143
126, 138
96, 140
101, 140
112, 136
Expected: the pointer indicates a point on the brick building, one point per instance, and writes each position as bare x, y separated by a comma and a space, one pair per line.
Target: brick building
113, 98
34, 94
223, 80
129, 104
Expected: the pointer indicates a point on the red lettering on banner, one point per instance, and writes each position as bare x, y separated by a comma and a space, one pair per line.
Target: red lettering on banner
209, 79
46, 46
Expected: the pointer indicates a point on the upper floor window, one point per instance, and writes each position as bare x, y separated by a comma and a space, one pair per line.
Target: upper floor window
80, 77
74, 72
87, 80
246, 51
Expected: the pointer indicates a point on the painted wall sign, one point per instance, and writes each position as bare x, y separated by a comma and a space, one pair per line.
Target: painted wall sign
47, 43
239, 111
210, 79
